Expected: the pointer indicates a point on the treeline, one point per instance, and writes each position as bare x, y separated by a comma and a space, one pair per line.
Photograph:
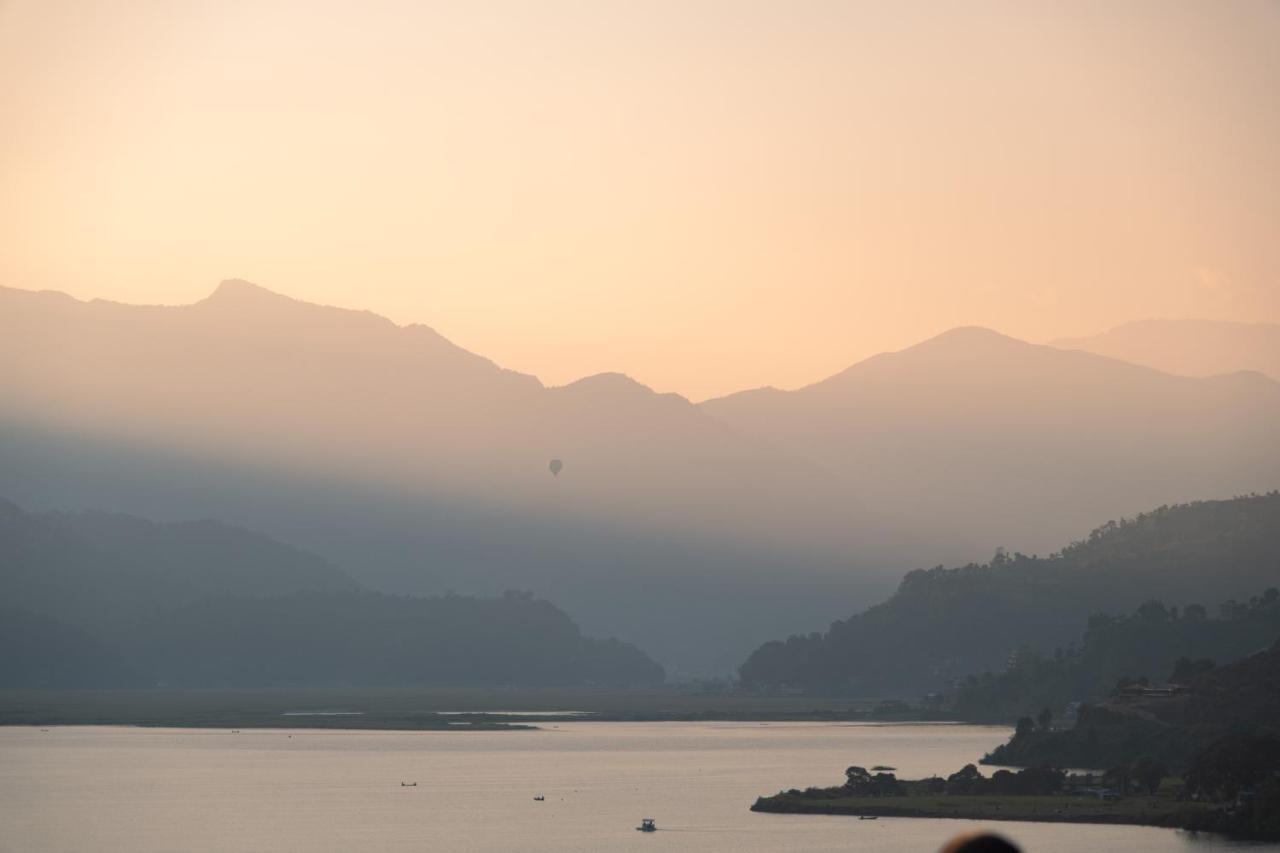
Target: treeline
1155, 643
1244, 769
945, 624
370, 639
1230, 786
96, 600
967, 781
1239, 698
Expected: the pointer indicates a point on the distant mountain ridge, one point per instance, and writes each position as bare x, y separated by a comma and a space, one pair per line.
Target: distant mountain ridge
103, 571
1189, 347
371, 639
107, 600
251, 374
973, 431
423, 467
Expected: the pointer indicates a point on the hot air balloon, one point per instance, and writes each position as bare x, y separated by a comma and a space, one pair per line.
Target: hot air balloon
555, 467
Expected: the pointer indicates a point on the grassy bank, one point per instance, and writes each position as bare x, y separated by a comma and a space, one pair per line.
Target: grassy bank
1148, 811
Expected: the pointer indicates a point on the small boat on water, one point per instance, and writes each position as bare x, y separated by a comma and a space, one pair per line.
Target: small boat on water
539, 798
408, 784
647, 824
868, 816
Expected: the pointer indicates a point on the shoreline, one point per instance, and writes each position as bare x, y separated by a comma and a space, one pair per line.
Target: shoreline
478, 721
1135, 811
264, 726
440, 708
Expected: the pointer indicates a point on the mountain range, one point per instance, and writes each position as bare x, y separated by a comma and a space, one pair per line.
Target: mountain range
696, 531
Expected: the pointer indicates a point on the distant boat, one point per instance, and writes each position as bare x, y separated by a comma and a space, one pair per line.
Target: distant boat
647, 824
539, 798
408, 784
868, 817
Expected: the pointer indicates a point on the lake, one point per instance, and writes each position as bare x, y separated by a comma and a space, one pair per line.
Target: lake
133, 789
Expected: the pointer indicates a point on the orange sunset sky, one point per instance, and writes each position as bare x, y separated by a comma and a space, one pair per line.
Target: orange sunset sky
707, 196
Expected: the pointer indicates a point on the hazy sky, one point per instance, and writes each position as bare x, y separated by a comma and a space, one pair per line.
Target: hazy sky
707, 196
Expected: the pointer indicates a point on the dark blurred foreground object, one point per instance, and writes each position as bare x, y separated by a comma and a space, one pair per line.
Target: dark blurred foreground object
979, 842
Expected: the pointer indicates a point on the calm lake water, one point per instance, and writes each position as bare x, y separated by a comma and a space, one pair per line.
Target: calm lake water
127, 789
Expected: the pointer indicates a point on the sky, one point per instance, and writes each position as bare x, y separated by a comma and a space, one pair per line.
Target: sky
707, 196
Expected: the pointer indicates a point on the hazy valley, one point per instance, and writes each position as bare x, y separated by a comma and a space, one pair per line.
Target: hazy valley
695, 531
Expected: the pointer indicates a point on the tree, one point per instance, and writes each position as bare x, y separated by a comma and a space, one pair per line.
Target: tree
966, 780
934, 785
1153, 611
885, 785
1186, 669
1119, 776
1039, 780
1025, 726
1195, 613
1004, 782
1045, 719
1101, 621
1149, 773
856, 776
1231, 763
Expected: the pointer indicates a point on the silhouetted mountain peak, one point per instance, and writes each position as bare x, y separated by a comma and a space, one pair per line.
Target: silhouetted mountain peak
608, 384
237, 291
975, 349
968, 338
240, 301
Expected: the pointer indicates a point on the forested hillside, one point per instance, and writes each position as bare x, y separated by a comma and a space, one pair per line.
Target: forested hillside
1154, 644
1242, 697
944, 624
97, 600
104, 571
39, 651
371, 639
